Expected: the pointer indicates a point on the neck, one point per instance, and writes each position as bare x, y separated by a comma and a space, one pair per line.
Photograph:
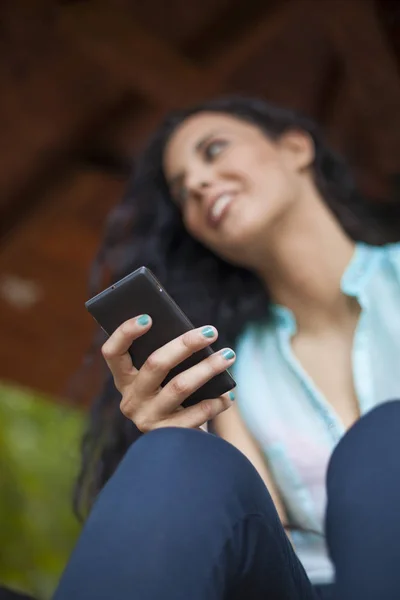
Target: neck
304, 264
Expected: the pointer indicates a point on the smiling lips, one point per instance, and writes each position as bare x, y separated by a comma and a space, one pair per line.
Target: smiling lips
218, 208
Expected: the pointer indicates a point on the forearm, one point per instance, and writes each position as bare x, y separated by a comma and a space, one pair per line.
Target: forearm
229, 425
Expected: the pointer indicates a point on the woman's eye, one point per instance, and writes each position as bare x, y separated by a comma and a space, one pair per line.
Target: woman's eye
214, 149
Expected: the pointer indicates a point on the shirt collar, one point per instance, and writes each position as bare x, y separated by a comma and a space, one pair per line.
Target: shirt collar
353, 283
360, 269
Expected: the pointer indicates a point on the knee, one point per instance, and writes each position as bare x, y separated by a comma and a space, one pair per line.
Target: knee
373, 438
183, 453
192, 468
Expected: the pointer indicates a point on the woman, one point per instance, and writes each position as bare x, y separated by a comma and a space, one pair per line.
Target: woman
254, 226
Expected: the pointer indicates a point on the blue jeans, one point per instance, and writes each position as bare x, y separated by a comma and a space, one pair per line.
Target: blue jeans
186, 517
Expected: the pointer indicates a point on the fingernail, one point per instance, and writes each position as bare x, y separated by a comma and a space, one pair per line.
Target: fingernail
231, 396
208, 332
143, 320
228, 354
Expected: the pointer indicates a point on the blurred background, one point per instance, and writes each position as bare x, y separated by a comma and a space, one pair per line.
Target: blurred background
82, 83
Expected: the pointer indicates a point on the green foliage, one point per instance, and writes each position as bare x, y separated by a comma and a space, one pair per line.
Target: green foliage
39, 456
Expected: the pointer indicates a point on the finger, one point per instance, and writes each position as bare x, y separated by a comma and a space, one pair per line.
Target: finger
187, 382
198, 414
115, 349
160, 362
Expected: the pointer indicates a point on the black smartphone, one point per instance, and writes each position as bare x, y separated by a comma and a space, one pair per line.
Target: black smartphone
141, 293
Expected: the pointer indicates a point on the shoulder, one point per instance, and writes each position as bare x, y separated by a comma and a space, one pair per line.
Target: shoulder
392, 254
380, 259
393, 251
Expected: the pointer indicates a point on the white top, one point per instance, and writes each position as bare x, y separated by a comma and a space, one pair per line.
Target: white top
294, 424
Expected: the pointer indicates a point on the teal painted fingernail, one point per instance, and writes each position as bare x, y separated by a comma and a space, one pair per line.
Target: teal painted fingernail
143, 320
208, 332
231, 396
228, 354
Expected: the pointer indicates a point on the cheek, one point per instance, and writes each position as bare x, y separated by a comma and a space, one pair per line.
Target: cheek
275, 183
260, 170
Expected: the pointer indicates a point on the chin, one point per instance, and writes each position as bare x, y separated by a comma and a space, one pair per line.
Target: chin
248, 234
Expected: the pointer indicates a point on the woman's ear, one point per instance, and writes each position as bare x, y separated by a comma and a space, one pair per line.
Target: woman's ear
298, 149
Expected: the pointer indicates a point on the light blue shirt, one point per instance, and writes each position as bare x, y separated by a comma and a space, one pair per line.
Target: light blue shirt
293, 422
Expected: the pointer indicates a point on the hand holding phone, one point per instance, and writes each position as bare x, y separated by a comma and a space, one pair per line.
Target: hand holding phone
164, 368
148, 404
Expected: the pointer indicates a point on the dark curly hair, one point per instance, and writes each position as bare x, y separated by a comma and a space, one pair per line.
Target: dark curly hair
147, 229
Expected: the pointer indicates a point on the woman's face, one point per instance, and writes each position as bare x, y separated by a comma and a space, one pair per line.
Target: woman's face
231, 182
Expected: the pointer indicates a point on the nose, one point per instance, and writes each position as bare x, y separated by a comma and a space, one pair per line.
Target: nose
199, 181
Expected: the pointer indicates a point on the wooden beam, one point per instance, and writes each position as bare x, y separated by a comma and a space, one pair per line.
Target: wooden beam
266, 30
54, 92
125, 137
372, 74
51, 95
284, 58
266, 43
133, 56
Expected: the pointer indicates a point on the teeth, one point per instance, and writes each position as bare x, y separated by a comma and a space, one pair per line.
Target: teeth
220, 204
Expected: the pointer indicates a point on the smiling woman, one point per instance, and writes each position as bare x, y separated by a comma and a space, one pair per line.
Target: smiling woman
254, 226
231, 181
